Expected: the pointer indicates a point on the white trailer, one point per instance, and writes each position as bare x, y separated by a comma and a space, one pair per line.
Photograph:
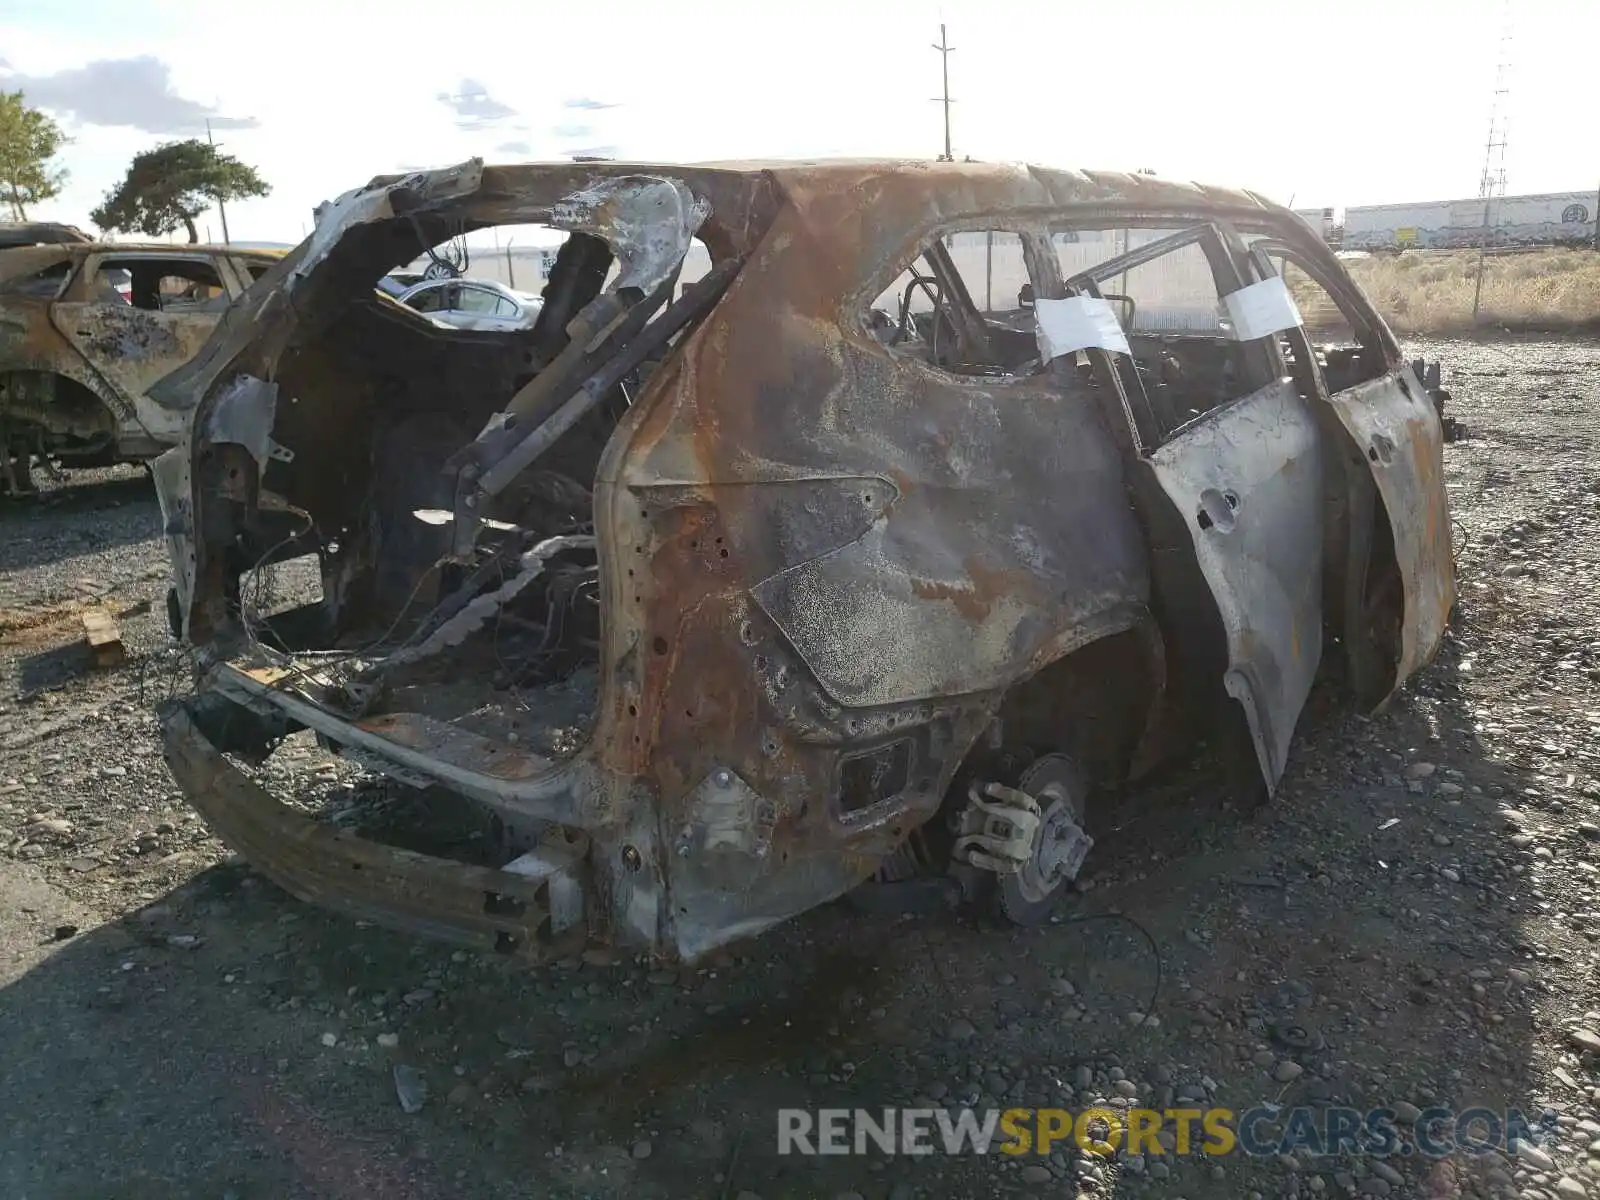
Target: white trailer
1551, 218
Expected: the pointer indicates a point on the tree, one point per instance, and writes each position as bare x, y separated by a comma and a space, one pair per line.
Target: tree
28, 141
172, 185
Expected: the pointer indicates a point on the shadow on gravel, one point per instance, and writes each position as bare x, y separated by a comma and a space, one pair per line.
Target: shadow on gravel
47, 527
50, 667
1363, 927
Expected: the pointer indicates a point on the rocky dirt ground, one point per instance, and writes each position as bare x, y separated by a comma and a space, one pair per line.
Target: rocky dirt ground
1415, 921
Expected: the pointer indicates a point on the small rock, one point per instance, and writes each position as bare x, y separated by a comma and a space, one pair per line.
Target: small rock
1569, 1188
1126, 1088
410, 1088
1383, 1169
1035, 1173
1062, 988
1406, 1112
1420, 770
1452, 876
1534, 1157
961, 1030
1286, 1070
330, 1039
459, 1095
1585, 1039
641, 1149
388, 1040
418, 996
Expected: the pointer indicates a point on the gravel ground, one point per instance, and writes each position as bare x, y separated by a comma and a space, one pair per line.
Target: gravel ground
1413, 922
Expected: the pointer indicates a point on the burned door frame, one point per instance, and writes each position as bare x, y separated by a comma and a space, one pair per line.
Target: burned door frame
151, 339
1233, 501
1390, 619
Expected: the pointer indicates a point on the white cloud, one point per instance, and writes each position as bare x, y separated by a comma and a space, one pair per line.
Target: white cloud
134, 92
1250, 92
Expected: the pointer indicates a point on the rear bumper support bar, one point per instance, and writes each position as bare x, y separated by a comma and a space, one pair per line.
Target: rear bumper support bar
481, 907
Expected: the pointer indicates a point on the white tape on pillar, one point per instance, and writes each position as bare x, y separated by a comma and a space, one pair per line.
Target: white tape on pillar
1077, 323
1261, 309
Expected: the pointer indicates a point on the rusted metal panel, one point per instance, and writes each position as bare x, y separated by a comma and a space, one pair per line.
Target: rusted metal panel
1395, 425
1246, 479
488, 909
132, 347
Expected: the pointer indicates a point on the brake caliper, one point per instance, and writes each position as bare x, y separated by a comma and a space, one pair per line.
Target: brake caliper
998, 833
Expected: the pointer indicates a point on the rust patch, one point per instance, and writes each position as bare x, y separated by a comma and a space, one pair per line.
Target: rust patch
119, 332
458, 748
966, 598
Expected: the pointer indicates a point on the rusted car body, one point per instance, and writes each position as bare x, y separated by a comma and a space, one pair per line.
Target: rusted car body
86, 328
721, 597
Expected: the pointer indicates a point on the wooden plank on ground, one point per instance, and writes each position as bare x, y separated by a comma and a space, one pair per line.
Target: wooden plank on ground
102, 636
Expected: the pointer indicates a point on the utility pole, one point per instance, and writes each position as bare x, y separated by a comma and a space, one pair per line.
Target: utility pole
943, 47
222, 210
1492, 183
1597, 219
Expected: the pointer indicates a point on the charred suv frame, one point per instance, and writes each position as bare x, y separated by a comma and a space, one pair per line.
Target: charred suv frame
722, 596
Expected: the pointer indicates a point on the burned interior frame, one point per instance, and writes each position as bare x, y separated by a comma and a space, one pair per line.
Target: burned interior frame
721, 597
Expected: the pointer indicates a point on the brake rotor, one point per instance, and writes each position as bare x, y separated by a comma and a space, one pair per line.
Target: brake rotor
1057, 784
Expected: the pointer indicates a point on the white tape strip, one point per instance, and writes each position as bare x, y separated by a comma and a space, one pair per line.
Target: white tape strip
1077, 323
1260, 309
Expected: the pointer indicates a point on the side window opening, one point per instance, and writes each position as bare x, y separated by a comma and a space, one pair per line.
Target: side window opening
431, 300
1333, 342
179, 285
964, 304
478, 300
1166, 287
44, 283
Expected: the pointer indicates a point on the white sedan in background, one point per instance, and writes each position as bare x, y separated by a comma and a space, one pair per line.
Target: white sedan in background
473, 303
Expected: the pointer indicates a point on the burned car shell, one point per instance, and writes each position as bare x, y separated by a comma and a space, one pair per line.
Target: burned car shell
76, 361
826, 568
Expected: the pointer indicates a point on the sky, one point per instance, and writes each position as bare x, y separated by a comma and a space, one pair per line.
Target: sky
1337, 103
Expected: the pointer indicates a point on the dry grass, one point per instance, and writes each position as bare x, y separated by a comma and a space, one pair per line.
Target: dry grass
1431, 292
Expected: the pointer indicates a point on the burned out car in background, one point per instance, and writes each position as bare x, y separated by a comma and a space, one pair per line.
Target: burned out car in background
86, 328
950, 497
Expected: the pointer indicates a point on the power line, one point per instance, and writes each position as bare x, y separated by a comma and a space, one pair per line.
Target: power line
222, 209
943, 47
1492, 181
